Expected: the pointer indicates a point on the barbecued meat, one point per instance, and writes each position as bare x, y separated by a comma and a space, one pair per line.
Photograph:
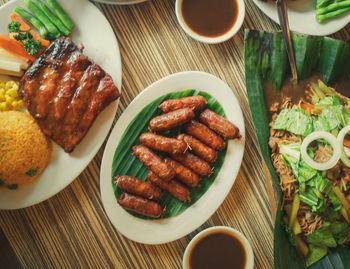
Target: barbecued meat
65, 91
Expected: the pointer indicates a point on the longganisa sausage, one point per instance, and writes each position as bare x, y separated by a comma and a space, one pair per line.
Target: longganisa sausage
219, 124
177, 190
153, 162
140, 205
171, 119
205, 135
194, 102
198, 148
162, 143
138, 187
183, 174
194, 163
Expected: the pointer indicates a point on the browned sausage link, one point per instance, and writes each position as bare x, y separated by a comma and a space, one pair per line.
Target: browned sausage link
177, 190
183, 174
199, 149
162, 143
138, 187
219, 124
140, 205
194, 163
194, 102
154, 162
172, 119
205, 135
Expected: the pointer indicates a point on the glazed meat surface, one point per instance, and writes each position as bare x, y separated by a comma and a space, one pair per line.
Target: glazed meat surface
65, 91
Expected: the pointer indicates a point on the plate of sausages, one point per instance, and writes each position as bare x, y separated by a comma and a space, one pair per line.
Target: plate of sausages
172, 157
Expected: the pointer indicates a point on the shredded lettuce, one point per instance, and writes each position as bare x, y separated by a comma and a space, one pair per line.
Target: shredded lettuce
295, 121
323, 237
340, 231
315, 254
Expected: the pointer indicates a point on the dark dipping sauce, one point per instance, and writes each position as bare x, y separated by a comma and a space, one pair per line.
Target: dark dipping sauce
211, 18
218, 250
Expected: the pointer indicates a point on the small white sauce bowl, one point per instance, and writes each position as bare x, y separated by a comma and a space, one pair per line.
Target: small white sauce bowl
217, 229
211, 40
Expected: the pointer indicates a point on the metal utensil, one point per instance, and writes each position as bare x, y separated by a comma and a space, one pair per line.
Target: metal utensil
283, 18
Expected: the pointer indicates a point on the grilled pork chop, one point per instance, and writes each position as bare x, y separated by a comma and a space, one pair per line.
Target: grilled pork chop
65, 91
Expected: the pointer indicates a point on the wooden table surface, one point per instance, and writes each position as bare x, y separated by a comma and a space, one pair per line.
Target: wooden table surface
71, 230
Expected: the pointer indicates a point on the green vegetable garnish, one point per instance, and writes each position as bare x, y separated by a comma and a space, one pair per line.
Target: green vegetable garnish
14, 27
32, 172
12, 187
2, 183
25, 37
295, 121
32, 46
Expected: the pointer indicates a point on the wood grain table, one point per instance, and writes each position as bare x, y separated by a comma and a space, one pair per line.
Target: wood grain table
71, 230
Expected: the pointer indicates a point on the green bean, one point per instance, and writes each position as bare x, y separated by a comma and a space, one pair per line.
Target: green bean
333, 7
43, 18
52, 17
33, 20
331, 15
61, 14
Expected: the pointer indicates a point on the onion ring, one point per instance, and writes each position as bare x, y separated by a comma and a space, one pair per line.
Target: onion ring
330, 139
340, 139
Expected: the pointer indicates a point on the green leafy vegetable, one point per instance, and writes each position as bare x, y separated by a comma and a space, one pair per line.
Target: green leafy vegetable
2, 183
340, 231
32, 46
295, 121
14, 26
323, 237
25, 37
316, 254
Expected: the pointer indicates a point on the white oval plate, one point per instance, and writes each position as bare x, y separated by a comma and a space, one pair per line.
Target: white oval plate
95, 33
302, 17
170, 229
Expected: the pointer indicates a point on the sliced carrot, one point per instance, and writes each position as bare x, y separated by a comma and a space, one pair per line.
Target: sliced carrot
307, 107
347, 178
346, 143
25, 27
15, 48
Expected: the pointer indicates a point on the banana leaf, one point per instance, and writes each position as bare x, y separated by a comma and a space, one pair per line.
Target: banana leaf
125, 163
266, 61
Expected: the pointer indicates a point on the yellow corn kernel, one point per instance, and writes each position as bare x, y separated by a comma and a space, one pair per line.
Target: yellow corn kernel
2, 85
9, 84
3, 106
12, 92
15, 86
2, 96
20, 104
14, 104
9, 99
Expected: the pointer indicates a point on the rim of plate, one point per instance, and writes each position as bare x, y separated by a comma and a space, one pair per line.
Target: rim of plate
122, 2
317, 29
117, 78
170, 229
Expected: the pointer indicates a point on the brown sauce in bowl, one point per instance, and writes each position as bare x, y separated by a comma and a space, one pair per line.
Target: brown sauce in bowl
218, 250
211, 18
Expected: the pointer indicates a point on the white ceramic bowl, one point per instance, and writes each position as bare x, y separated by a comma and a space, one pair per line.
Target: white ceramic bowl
216, 229
211, 40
